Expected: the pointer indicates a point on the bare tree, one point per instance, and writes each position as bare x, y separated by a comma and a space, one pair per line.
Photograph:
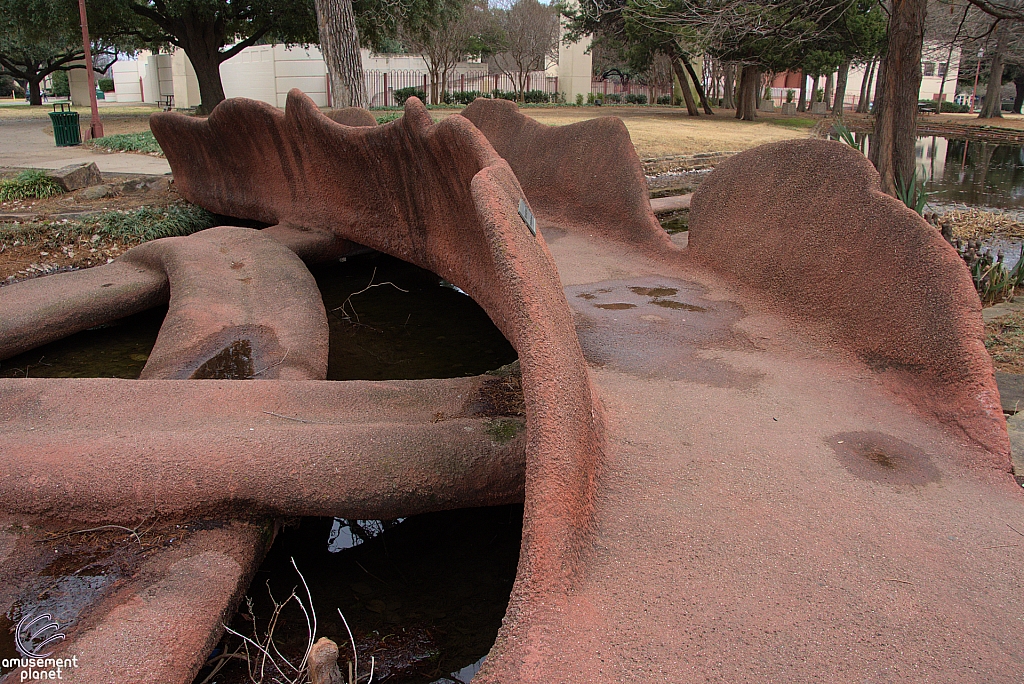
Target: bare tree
528, 40
445, 43
339, 42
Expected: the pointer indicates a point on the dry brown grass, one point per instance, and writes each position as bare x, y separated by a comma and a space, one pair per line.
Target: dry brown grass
664, 131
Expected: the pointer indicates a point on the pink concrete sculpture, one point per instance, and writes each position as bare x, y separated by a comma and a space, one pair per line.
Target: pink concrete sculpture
775, 454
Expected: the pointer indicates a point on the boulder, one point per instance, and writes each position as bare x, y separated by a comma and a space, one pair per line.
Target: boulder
75, 176
96, 192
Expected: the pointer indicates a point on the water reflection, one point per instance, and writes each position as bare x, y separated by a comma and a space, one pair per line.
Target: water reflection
972, 173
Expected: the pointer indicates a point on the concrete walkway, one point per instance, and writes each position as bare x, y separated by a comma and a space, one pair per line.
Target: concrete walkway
28, 143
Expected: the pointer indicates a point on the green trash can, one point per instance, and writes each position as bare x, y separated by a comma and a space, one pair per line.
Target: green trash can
65, 126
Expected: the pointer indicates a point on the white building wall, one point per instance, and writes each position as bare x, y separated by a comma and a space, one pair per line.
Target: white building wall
301, 68
268, 72
251, 74
127, 80
186, 84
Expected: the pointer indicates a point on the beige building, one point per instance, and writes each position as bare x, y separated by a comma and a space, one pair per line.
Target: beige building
268, 72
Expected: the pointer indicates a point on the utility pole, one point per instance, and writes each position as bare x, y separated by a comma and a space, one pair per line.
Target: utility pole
95, 125
977, 72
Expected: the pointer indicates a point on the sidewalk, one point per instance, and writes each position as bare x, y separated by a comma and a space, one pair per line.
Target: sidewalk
28, 143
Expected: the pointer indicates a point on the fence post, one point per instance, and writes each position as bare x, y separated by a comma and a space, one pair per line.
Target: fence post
495, 82
426, 93
462, 82
385, 89
606, 88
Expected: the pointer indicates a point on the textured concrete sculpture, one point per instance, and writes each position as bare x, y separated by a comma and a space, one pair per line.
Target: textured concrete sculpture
766, 456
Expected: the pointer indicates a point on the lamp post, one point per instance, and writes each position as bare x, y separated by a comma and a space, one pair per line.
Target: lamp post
977, 72
95, 125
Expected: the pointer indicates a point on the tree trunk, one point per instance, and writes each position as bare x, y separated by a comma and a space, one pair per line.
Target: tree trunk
750, 83
802, 105
828, 90
207, 68
339, 42
879, 78
844, 73
865, 92
1018, 100
35, 93
684, 85
202, 41
698, 86
993, 106
896, 117
434, 85
729, 86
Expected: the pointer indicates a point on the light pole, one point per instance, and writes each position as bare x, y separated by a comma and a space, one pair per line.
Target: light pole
95, 125
977, 72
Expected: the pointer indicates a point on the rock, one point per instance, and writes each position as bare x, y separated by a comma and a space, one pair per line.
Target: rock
789, 109
75, 176
96, 192
1011, 391
819, 108
323, 663
1015, 428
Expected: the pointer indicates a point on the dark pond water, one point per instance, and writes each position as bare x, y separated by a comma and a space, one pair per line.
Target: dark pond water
416, 328
961, 172
423, 596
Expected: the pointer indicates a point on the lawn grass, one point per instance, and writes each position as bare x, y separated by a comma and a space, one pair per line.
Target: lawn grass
794, 122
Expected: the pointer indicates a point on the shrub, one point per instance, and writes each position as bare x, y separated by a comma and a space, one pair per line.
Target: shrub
59, 84
504, 95
639, 99
579, 99
614, 98
536, 97
403, 94
30, 184
664, 99
954, 108
819, 95
790, 94
590, 98
105, 84
129, 142
387, 117
462, 96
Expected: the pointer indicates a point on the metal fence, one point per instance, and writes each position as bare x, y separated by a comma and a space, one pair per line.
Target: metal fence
614, 87
381, 85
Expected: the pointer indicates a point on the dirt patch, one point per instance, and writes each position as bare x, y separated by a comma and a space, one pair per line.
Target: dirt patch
1004, 340
34, 235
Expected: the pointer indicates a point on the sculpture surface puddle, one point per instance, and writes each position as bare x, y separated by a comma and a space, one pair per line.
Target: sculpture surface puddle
882, 458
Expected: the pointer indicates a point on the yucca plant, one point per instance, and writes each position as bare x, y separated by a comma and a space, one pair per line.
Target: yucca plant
912, 194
